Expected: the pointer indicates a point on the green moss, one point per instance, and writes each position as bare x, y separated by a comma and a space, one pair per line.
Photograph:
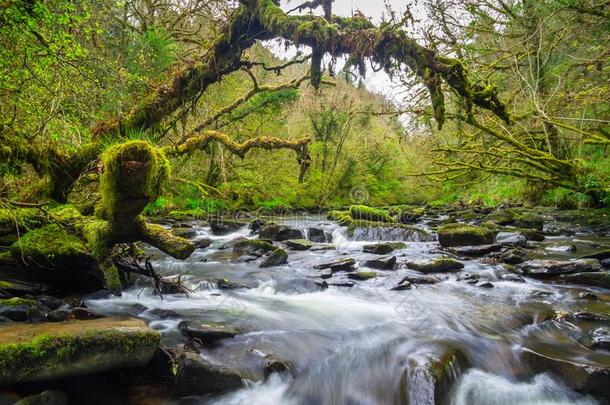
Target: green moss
24, 218
13, 302
362, 212
112, 279
186, 215
65, 213
459, 234
244, 246
342, 217
49, 348
134, 171
6, 285
52, 246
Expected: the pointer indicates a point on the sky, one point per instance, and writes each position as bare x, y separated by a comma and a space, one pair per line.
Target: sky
377, 82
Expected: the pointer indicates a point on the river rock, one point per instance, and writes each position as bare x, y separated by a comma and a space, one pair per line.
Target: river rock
338, 265
561, 248
551, 268
51, 351
197, 376
318, 235
513, 278
58, 315
379, 231
206, 333
362, 275
402, 286
186, 233
203, 243
419, 280
277, 258
484, 284
601, 338
477, 251
582, 373
256, 225
252, 247
533, 235
45, 398
225, 226
513, 256
464, 235
529, 220
230, 244
381, 263
280, 233
345, 284
299, 244
440, 265
605, 263
383, 248
514, 239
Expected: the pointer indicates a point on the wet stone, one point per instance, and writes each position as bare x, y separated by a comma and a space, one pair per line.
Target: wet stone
224, 227
338, 265
280, 233
347, 284
206, 333
601, 338
203, 243
277, 258
318, 235
197, 376
58, 315
588, 295
485, 284
299, 244
440, 265
186, 233
325, 274
383, 248
402, 286
550, 268
162, 313
513, 239
477, 251
419, 280
362, 275
381, 263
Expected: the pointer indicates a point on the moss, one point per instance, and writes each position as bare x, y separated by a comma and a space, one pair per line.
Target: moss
134, 173
342, 217
169, 243
52, 246
24, 218
45, 349
246, 246
13, 302
363, 275
459, 234
362, 212
6, 285
65, 213
186, 215
112, 279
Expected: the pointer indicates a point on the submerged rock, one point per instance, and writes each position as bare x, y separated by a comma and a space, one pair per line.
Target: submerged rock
202, 243
420, 280
42, 352
402, 286
551, 268
513, 256
383, 248
440, 265
280, 233
207, 333
186, 233
197, 376
381, 263
464, 235
277, 258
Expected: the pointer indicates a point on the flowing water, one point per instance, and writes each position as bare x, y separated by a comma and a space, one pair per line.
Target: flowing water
367, 344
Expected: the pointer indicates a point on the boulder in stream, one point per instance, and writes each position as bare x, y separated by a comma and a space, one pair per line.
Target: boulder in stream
451, 235
299, 244
51, 351
318, 235
252, 247
362, 275
338, 265
186, 233
381, 263
514, 239
477, 251
361, 230
383, 248
552, 268
198, 376
277, 258
280, 233
595, 279
207, 333
225, 226
440, 265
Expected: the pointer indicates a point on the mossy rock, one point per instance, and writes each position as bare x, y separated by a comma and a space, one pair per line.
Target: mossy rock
343, 218
502, 217
362, 275
254, 247
440, 265
465, 235
24, 218
51, 247
16, 301
277, 258
30, 353
362, 212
